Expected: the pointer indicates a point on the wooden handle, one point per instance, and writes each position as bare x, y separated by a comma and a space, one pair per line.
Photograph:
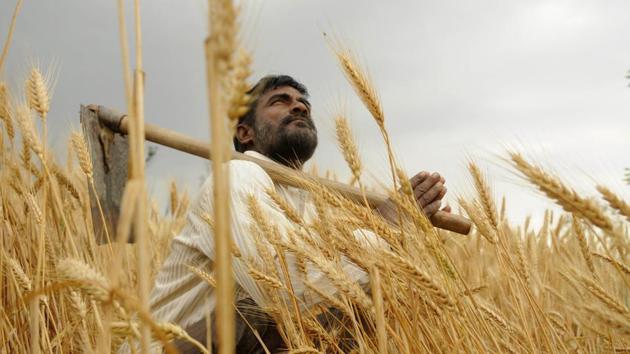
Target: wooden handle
281, 174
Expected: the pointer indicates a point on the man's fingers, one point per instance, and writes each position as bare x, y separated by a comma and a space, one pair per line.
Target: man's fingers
432, 208
447, 209
432, 194
442, 192
425, 185
418, 178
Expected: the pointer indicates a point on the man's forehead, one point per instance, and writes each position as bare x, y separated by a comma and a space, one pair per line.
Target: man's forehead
282, 89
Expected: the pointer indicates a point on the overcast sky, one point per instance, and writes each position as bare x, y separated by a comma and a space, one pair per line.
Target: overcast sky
458, 80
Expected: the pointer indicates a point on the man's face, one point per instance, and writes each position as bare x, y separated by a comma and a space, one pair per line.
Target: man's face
283, 128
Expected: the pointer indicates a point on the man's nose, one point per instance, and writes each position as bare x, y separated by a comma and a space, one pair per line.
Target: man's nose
299, 108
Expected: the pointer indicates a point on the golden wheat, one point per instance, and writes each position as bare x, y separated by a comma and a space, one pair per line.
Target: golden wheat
615, 201
565, 196
347, 146
37, 93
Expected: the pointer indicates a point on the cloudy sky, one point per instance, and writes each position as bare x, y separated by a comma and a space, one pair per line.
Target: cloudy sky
458, 80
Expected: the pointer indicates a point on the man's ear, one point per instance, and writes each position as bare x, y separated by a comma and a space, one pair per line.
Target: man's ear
245, 134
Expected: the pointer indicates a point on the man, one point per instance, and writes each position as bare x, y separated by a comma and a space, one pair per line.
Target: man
278, 127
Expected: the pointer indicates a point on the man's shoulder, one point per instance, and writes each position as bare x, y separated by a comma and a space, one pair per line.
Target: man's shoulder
244, 175
248, 170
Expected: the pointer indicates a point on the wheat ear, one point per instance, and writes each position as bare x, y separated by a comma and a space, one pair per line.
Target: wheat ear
5, 111
173, 197
260, 277
421, 277
624, 268
90, 281
170, 332
37, 212
65, 181
207, 277
603, 296
480, 220
581, 237
288, 210
348, 146
337, 277
20, 276
85, 162
83, 155
566, 197
37, 93
485, 194
28, 131
361, 84
238, 99
614, 201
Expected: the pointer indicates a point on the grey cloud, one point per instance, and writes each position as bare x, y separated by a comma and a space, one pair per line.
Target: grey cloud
455, 77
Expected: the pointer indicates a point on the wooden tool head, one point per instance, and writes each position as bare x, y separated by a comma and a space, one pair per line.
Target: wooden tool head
109, 152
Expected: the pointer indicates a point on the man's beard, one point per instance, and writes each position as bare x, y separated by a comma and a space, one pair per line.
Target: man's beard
291, 147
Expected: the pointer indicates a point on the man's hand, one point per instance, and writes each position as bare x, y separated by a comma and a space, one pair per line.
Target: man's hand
428, 191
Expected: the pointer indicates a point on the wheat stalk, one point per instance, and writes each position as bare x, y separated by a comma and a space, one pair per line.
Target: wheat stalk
7, 42
624, 268
304, 350
367, 216
338, 278
173, 331
603, 296
420, 277
170, 331
330, 299
219, 48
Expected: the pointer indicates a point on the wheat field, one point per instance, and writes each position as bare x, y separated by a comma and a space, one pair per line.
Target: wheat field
562, 287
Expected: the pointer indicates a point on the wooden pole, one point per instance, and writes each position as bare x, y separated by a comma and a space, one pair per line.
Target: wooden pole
118, 122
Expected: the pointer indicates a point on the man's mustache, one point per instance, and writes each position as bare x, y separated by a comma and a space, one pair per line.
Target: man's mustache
290, 118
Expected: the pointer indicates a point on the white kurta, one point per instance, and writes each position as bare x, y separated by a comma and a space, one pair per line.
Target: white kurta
181, 297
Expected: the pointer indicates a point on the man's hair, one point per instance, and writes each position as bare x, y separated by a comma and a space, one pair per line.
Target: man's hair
266, 84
